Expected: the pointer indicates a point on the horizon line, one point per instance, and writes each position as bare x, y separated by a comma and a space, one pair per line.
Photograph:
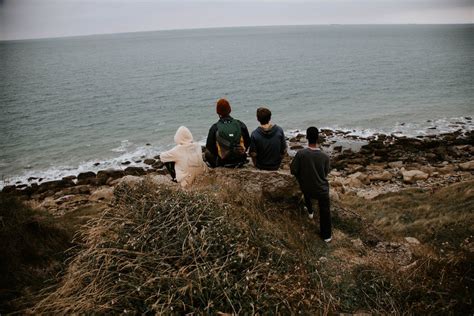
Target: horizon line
227, 27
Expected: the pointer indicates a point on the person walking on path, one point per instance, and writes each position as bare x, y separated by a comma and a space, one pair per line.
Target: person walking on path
311, 168
187, 157
267, 142
228, 139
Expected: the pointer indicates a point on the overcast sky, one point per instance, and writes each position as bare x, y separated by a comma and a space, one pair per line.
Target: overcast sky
20, 19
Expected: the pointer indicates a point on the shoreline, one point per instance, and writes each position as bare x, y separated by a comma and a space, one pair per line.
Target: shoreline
344, 148
131, 154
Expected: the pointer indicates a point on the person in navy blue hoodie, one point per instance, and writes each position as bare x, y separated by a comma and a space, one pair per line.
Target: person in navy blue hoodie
267, 142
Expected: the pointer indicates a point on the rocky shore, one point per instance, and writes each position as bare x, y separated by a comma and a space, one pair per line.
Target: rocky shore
367, 167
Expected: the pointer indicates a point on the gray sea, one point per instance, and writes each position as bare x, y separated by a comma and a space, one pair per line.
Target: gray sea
69, 103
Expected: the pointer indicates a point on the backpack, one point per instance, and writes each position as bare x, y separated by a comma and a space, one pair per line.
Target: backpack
229, 140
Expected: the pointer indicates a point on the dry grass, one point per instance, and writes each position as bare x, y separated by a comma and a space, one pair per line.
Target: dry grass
159, 250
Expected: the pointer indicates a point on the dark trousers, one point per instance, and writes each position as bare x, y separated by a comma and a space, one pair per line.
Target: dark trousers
324, 211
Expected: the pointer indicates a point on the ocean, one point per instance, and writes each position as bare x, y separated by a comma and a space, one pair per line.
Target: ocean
69, 105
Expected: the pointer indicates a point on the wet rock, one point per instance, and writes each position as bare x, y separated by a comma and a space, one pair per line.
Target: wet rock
158, 165
70, 178
149, 162
32, 179
125, 163
337, 148
86, 178
104, 176
55, 185
96, 164
9, 189
411, 176
134, 171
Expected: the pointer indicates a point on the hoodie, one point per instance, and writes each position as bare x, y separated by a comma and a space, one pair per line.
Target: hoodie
187, 156
268, 145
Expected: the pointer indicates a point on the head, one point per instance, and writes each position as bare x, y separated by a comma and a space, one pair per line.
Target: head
223, 108
183, 136
264, 115
312, 135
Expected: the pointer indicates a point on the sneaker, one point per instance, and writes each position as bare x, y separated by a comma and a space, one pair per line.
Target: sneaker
328, 240
310, 215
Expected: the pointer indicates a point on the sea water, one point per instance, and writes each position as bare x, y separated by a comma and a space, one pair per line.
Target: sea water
87, 103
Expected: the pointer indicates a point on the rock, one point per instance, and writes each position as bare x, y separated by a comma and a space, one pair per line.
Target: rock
55, 185
9, 189
337, 149
296, 147
134, 171
104, 176
86, 178
428, 169
412, 240
357, 243
64, 198
396, 164
78, 189
384, 176
467, 166
158, 164
149, 161
130, 180
362, 177
125, 163
354, 168
400, 253
448, 169
69, 178
96, 164
104, 194
333, 195
412, 176
368, 195
353, 182
48, 203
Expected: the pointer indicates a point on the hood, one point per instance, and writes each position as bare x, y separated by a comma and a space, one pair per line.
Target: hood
183, 136
267, 132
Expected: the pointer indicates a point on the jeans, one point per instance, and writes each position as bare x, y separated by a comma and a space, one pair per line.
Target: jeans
324, 211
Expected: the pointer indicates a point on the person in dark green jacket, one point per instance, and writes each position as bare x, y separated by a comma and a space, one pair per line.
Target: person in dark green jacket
311, 168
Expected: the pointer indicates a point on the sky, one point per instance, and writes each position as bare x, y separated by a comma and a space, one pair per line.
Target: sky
25, 19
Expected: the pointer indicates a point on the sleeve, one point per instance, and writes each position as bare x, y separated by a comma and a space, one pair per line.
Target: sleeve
245, 135
170, 155
327, 166
211, 140
295, 165
253, 146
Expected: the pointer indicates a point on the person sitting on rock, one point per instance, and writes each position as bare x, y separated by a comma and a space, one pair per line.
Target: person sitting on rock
311, 168
228, 139
267, 142
187, 157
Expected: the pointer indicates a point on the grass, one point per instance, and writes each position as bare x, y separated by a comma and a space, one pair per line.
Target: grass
32, 247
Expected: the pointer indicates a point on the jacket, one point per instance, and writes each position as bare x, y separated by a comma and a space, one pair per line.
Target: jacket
187, 156
268, 147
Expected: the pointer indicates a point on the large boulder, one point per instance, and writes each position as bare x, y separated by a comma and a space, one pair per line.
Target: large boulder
86, 178
55, 185
411, 176
104, 176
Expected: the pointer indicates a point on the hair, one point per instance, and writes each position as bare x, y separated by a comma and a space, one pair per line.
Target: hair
312, 135
223, 107
264, 115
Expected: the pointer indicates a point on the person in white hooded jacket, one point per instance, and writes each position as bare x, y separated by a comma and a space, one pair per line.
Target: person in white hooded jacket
187, 157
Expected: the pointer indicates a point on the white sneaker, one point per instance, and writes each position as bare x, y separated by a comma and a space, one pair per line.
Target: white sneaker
310, 215
328, 240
